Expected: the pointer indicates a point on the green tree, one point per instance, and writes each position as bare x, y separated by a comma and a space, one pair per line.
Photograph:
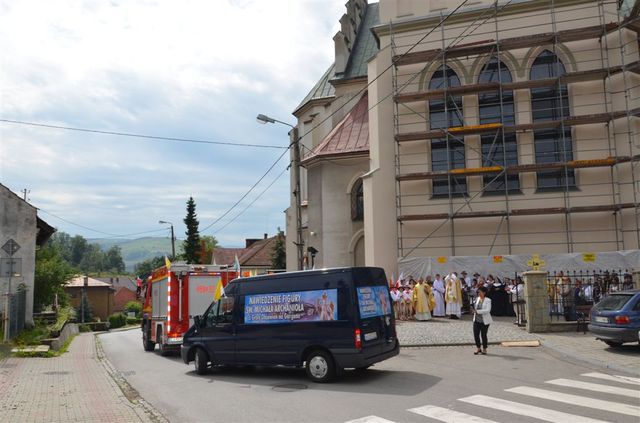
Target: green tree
191, 245
79, 248
144, 268
210, 244
84, 309
51, 273
113, 261
93, 260
279, 253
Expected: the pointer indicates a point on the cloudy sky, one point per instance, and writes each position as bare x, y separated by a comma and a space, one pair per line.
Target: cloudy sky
191, 69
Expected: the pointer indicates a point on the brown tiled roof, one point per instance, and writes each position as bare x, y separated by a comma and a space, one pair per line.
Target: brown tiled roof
257, 254
226, 256
349, 137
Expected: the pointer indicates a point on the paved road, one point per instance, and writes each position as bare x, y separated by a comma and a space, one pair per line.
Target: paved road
432, 380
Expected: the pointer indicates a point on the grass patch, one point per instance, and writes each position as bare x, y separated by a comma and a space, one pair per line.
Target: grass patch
5, 350
64, 314
50, 353
31, 336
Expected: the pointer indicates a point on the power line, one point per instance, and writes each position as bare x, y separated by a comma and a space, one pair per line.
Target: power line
110, 235
248, 192
143, 136
252, 202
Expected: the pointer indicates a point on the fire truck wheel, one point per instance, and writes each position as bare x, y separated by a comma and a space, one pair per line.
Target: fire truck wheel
162, 348
148, 344
201, 361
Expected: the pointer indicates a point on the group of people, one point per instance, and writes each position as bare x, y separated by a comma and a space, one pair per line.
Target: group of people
452, 295
446, 297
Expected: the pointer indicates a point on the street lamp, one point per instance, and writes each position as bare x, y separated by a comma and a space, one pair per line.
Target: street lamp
296, 176
173, 238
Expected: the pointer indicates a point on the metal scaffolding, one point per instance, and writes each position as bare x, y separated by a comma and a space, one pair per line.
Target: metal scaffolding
571, 29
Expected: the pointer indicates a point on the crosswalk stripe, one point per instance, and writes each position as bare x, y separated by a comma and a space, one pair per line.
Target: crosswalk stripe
614, 407
446, 415
614, 378
527, 410
370, 419
605, 389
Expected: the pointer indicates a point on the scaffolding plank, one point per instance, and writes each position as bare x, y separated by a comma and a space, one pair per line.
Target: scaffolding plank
518, 212
572, 77
470, 130
513, 43
516, 169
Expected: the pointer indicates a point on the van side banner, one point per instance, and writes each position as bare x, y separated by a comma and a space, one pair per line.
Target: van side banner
373, 301
287, 307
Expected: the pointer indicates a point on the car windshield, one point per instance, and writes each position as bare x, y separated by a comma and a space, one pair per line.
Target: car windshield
613, 302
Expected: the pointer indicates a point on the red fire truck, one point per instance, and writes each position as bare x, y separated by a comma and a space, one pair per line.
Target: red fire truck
172, 297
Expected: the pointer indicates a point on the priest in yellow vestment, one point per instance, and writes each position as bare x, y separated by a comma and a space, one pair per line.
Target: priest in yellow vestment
421, 301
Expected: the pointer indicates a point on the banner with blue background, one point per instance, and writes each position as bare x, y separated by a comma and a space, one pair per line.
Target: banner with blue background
289, 307
373, 301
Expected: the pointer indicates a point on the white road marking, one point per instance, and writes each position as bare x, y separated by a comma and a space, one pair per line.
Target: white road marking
370, 419
614, 378
614, 407
605, 389
527, 410
446, 415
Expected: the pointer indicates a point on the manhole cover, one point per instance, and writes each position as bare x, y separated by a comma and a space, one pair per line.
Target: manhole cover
56, 373
289, 387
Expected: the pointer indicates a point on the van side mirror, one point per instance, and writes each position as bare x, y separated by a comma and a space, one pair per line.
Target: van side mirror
196, 321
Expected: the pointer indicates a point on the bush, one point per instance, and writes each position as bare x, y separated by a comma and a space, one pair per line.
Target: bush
84, 327
133, 320
133, 306
117, 320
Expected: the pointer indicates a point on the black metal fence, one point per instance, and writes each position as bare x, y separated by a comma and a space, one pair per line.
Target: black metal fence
573, 293
17, 303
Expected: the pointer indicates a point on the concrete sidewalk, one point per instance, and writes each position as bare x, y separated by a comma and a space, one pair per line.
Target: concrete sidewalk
75, 387
571, 346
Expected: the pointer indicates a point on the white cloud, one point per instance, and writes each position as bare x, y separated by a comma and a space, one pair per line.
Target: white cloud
191, 69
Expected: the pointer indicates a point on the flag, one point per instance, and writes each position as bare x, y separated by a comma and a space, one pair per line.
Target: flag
236, 267
400, 278
167, 262
219, 291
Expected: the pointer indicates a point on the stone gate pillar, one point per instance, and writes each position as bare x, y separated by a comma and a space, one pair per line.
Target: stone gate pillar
636, 279
537, 301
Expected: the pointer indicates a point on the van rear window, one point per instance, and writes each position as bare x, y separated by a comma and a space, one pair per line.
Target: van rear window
291, 307
373, 301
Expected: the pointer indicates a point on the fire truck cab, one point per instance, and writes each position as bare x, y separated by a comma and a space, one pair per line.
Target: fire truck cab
172, 297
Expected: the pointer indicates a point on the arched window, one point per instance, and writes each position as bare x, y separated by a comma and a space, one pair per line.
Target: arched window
446, 113
551, 104
493, 151
357, 201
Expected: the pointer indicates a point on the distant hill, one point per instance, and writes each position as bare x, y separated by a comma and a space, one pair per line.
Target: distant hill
140, 249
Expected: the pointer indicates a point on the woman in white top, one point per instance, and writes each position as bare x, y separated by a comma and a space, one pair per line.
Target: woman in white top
481, 319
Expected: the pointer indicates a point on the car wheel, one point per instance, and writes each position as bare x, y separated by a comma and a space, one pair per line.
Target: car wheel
613, 344
320, 366
147, 344
201, 361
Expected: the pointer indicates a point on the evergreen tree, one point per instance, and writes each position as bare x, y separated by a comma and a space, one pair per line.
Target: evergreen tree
84, 309
191, 245
279, 253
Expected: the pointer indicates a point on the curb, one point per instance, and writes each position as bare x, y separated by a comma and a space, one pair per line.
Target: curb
570, 356
137, 402
462, 344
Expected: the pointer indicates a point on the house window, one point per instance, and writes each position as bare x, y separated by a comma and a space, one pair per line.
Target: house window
492, 110
551, 104
447, 113
357, 201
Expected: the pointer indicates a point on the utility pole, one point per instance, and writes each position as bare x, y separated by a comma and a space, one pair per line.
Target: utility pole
296, 176
24, 193
173, 245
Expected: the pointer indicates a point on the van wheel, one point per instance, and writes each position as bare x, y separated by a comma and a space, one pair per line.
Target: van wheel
147, 344
201, 361
320, 366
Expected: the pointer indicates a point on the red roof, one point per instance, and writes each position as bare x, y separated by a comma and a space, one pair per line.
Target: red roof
349, 137
257, 254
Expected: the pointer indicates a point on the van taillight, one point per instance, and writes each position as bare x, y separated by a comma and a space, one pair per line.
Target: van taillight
622, 320
358, 338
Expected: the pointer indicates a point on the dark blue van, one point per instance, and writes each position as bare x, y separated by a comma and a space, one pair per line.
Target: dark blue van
325, 320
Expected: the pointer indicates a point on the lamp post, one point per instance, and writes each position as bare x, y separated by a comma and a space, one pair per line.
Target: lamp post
295, 144
173, 238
